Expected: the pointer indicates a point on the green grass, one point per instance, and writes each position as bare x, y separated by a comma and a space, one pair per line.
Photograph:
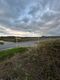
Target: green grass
11, 52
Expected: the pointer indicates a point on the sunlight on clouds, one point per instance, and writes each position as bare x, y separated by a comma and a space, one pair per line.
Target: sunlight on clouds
17, 33
20, 33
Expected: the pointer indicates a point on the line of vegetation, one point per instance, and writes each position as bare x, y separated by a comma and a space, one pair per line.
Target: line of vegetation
20, 39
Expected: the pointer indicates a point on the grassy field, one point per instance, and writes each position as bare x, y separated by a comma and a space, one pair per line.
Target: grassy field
39, 63
11, 52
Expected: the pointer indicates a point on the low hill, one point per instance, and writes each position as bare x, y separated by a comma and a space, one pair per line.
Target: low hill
16, 38
20, 39
39, 63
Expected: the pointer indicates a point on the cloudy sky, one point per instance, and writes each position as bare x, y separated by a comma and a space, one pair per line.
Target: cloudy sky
30, 17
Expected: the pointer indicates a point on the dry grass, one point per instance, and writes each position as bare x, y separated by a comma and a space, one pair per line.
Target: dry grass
40, 63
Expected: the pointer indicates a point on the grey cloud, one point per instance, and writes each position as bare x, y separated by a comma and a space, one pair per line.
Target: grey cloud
31, 15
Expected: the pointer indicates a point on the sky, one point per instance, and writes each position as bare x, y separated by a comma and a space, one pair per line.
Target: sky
29, 18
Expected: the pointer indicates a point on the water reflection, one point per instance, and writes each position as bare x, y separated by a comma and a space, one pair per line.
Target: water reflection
7, 45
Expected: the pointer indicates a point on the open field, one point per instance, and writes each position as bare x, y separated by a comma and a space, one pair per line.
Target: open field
39, 63
11, 52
